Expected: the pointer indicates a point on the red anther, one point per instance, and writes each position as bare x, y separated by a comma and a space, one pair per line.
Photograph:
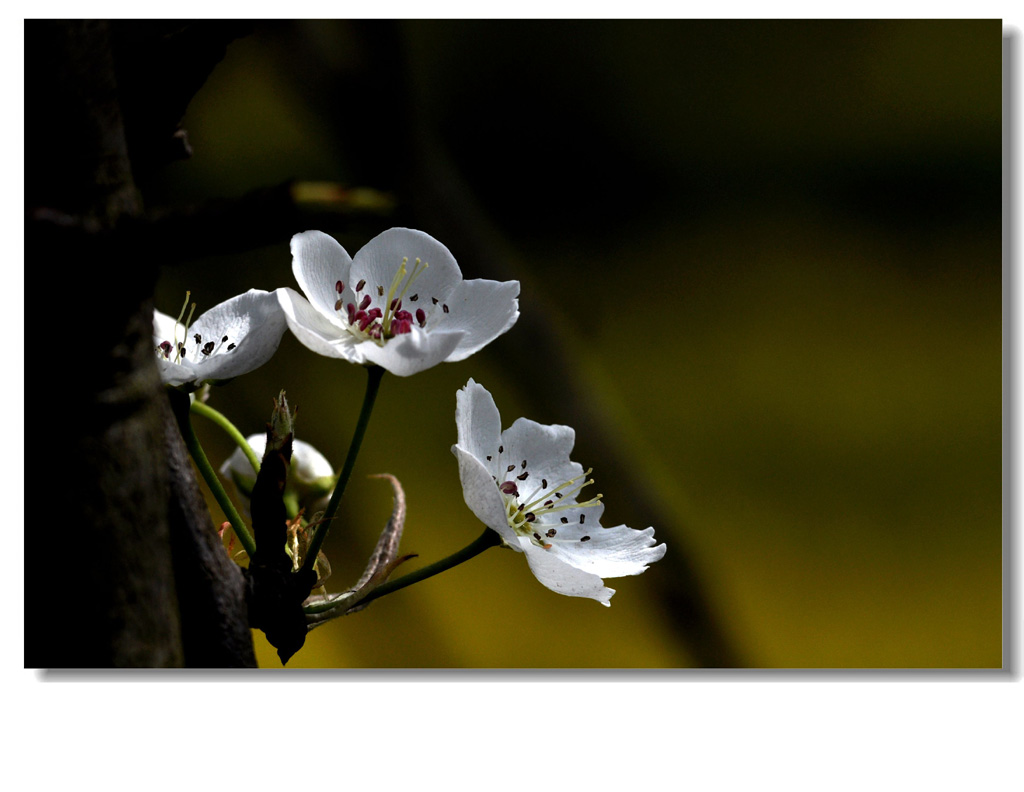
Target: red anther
401, 326
403, 316
396, 304
166, 348
339, 287
421, 317
509, 488
374, 313
365, 302
351, 313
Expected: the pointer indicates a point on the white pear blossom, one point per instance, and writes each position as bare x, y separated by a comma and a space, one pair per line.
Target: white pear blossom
522, 484
233, 338
310, 475
401, 303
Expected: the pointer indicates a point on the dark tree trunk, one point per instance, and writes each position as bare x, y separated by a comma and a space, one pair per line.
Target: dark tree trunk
122, 565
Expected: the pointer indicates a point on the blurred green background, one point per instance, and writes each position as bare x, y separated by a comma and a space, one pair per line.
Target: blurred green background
770, 254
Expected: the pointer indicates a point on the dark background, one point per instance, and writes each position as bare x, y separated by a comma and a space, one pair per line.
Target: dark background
761, 275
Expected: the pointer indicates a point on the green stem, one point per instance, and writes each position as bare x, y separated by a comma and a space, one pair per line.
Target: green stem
374, 375
487, 539
199, 408
210, 477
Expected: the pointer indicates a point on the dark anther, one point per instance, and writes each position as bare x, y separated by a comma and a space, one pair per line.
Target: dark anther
488, 459
522, 476
337, 305
536, 536
339, 287
544, 483
565, 520
199, 338
530, 516
501, 449
208, 347
359, 286
230, 347
584, 538
434, 300
445, 307
414, 298
225, 338
582, 518
380, 291
524, 464
551, 532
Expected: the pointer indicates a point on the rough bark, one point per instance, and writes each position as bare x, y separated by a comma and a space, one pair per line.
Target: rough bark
97, 476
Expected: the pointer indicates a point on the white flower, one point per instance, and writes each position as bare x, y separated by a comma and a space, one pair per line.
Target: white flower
233, 338
401, 303
310, 475
522, 484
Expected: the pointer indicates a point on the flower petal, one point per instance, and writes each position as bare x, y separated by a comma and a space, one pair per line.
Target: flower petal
379, 260
609, 552
482, 496
483, 309
318, 263
315, 331
562, 578
175, 374
478, 423
167, 328
545, 449
252, 322
411, 352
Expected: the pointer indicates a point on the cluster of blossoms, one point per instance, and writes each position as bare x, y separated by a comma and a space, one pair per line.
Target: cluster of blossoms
401, 303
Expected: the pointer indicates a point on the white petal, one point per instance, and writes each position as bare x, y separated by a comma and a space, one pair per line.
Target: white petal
482, 496
411, 352
166, 328
308, 464
379, 260
478, 423
546, 451
175, 374
318, 263
483, 309
562, 578
238, 462
253, 322
315, 331
610, 552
